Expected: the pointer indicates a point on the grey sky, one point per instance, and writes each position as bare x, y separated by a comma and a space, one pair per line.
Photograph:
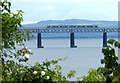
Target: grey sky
38, 10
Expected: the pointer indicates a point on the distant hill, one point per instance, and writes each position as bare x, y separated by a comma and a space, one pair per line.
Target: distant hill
43, 24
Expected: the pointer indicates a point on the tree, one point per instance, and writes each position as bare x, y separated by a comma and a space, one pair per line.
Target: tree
93, 76
11, 35
12, 58
111, 60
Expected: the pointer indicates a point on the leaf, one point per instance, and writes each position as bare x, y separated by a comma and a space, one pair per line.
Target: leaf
102, 61
116, 44
111, 41
119, 45
71, 74
112, 51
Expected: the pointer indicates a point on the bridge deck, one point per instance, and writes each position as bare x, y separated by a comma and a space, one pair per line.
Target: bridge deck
72, 30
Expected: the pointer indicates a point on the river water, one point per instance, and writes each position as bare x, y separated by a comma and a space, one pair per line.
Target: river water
87, 54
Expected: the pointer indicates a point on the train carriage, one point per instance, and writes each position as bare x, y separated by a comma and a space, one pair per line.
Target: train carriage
72, 26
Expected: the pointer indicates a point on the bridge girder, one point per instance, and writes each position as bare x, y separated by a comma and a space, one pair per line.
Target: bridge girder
72, 30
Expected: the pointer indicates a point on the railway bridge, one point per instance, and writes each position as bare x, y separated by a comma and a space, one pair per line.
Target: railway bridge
40, 30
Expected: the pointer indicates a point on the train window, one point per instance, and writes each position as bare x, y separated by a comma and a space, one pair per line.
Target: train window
54, 26
78, 26
82, 26
61, 26
57, 26
96, 26
72, 26
65, 26
89, 26
48, 26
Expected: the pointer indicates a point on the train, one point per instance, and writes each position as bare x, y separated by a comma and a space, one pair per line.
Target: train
72, 26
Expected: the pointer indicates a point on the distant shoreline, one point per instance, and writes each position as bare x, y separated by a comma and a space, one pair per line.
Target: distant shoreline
75, 38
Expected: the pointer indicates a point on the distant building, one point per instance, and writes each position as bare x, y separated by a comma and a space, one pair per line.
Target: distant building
72, 26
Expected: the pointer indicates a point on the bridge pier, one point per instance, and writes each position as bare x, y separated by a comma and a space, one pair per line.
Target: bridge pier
39, 42
104, 39
72, 42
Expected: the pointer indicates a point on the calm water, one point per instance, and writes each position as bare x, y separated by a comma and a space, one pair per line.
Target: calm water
87, 54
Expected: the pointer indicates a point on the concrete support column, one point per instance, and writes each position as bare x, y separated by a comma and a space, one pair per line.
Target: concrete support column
72, 42
104, 39
39, 41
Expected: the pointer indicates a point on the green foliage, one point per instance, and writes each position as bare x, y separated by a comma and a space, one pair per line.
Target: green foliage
93, 76
110, 59
12, 58
44, 72
112, 67
71, 74
114, 43
11, 35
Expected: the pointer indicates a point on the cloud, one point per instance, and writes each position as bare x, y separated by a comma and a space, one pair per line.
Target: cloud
67, 9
